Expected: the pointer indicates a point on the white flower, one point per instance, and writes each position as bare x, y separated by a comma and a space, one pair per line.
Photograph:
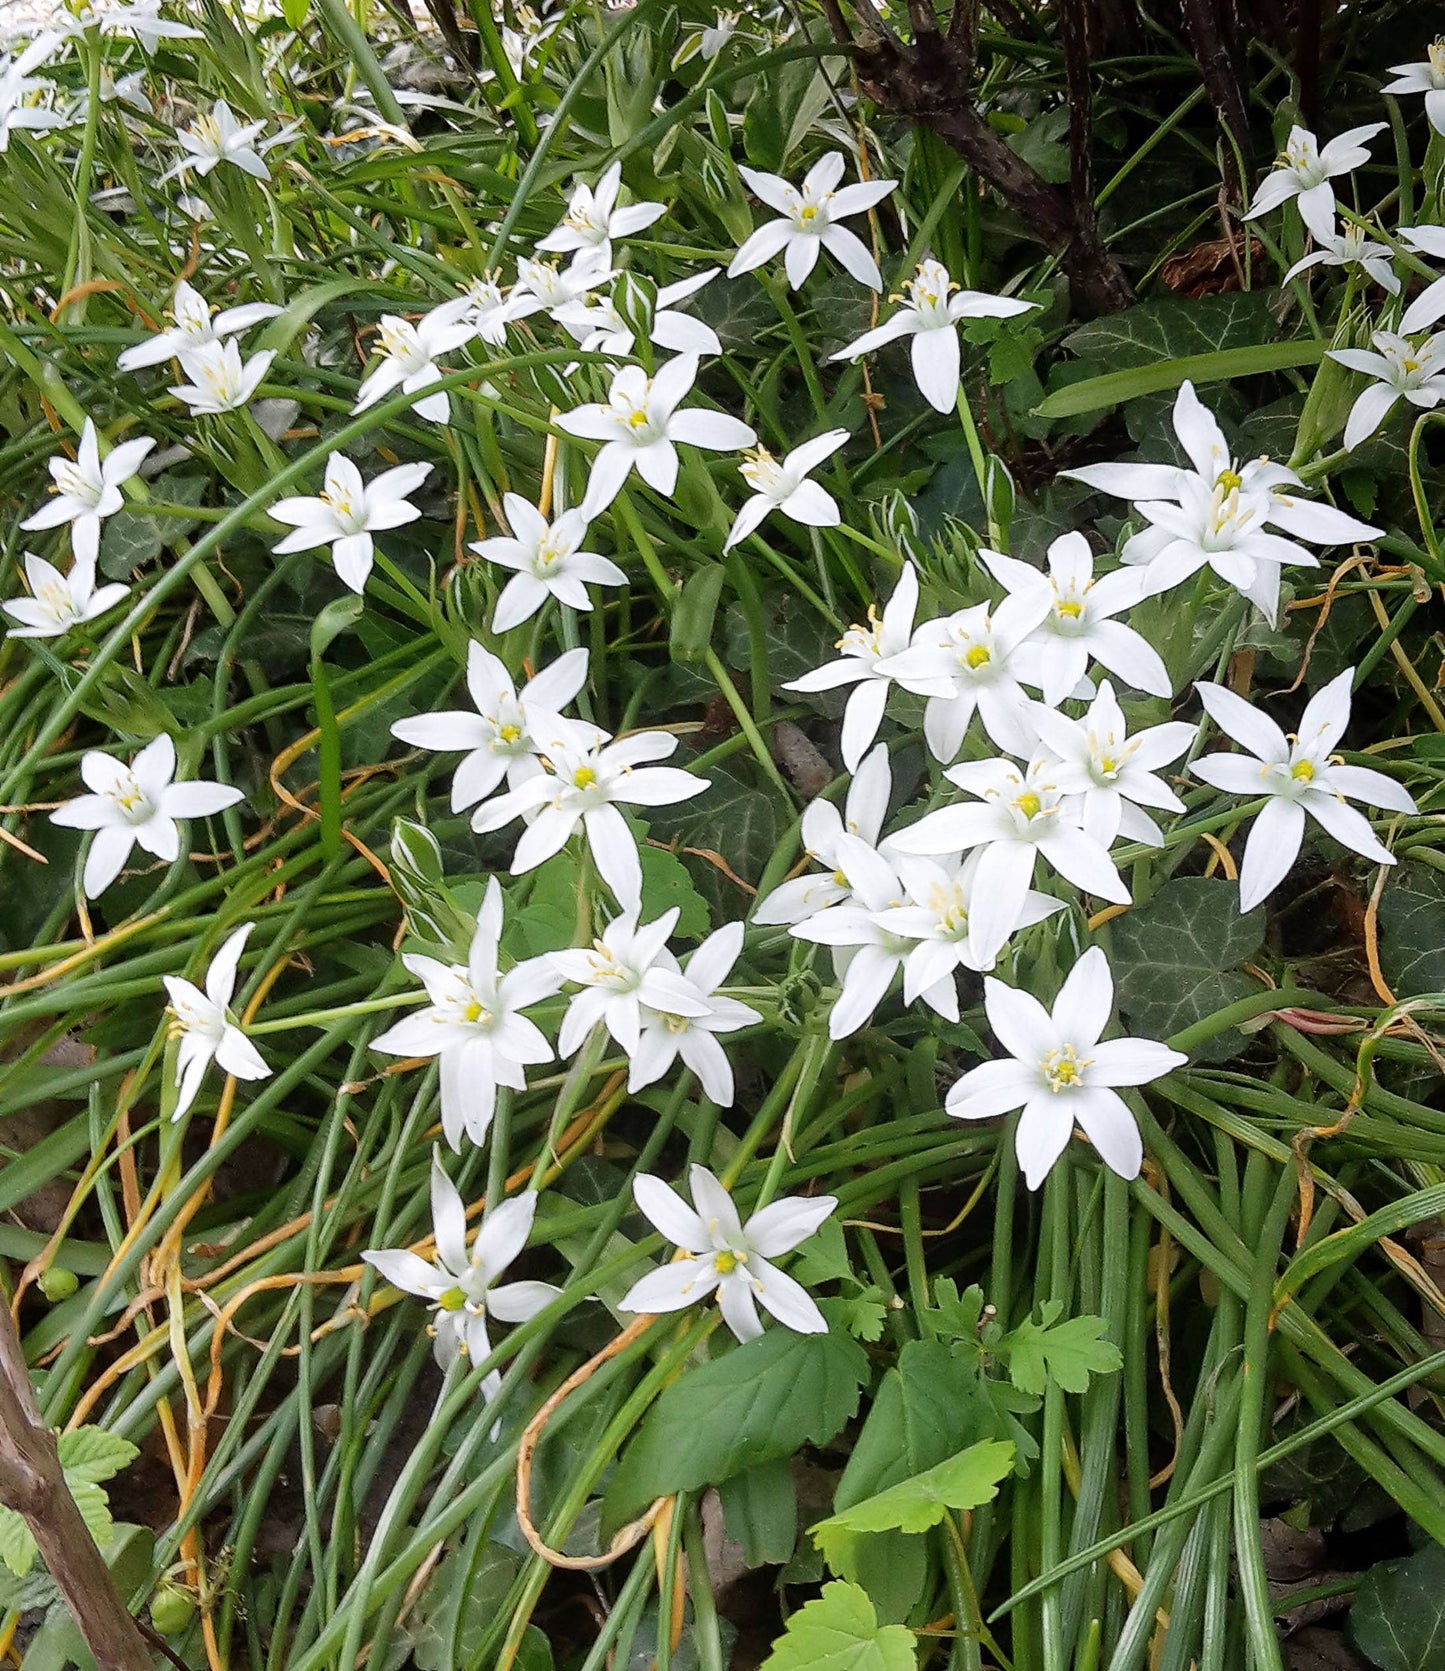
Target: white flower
1351, 246
195, 326
966, 663
1401, 372
863, 651
810, 222
593, 219
474, 1024
509, 729
554, 287
867, 950
1060, 1072
939, 917
706, 40
347, 512
217, 137
863, 813
1219, 513
1019, 815
408, 361
1301, 775
1427, 77
666, 1035
136, 803
220, 380
930, 315
624, 970
1079, 624
18, 89
141, 19
547, 561
204, 1021
1107, 775
87, 489
1304, 171
58, 601
639, 425
599, 327
1429, 306
586, 786
783, 485
728, 1257
487, 310
461, 1286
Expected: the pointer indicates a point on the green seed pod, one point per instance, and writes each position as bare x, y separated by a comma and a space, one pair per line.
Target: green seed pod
57, 1284
172, 1609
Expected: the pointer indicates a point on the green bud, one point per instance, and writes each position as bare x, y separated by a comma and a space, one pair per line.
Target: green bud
694, 614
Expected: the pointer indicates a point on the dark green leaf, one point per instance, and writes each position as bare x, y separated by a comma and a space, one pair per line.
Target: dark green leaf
1412, 931
760, 1510
1398, 1619
1174, 960
764, 1400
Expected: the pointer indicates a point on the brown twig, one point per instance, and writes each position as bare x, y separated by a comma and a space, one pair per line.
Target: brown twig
32, 1482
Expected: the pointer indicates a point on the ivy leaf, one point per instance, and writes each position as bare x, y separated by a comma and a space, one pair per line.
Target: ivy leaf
1398, 1619
1175, 959
1412, 932
965, 1481
765, 1399
840, 1632
1067, 1353
1172, 327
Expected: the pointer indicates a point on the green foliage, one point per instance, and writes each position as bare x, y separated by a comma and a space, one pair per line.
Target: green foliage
1175, 960
89, 1456
761, 1401
1398, 1616
916, 1504
1067, 1352
839, 1631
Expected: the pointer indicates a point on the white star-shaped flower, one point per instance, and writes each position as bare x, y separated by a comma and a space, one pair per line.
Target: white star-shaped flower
727, 1257
347, 512
136, 803
593, 218
1426, 76
58, 601
1304, 171
87, 489
207, 1032
409, 355
220, 380
782, 485
863, 651
1061, 1072
640, 425
195, 325
510, 728
810, 222
547, 561
1302, 777
474, 1024
1400, 370
933, 306
462, 1286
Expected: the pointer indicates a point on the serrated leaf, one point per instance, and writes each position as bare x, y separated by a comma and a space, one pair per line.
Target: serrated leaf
766, 1399
90, 1453
965, 1481
840, 1632
17, 1547
1174, 958
1398, 1619
1067, 1353
956, 1314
